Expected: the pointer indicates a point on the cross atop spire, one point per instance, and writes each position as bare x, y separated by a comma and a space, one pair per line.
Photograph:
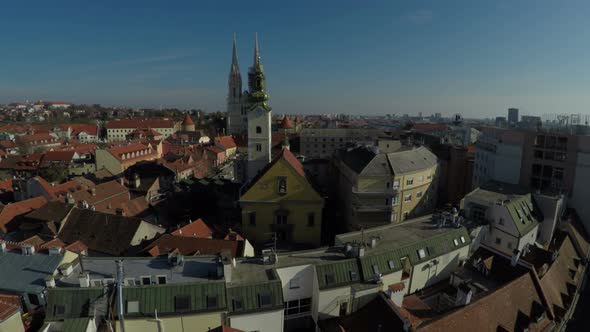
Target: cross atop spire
256, 52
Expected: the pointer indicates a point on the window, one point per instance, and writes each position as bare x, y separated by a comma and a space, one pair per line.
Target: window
395, 200
131, 282
281, 219
161, 280
311, 219
375, 269
59, 310
132, 307
408, 198
456, 242
419, 194
264, 300
409, 182
498, 240
252, 218
211, 302
237, 304
146, 280
395, 184
282, 185
182, 303
258, 130
329, 278
294, 283
297, 306
387, 201
421, 253
406, 214
429, 177
509, 245
353, 275
391, 264
96, 282
501, 221
421, 178
387, 185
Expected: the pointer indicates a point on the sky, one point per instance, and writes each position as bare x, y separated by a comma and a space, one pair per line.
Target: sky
365, 57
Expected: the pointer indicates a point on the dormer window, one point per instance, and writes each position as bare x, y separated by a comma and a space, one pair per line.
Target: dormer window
422, 253
282, 185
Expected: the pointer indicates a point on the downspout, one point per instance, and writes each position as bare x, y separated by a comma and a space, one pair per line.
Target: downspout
120, 293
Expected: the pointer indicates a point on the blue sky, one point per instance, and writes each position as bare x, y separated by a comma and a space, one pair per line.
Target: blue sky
365, 57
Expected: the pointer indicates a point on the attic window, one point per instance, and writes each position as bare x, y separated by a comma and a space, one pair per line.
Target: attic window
353, 275
264, 300
237, 304
161, 280
456, 242
212, 302
375, 269
462, 239
146, 280
421, 253
391, 264
132, 307
330, 278
182, 303
282, 185
59, 310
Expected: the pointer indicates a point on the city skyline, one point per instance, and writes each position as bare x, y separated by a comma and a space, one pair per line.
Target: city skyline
337, 57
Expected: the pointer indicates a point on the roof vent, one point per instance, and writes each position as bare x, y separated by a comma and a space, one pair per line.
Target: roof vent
27, 249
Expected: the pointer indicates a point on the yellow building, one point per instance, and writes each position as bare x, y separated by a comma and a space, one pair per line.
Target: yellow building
281, 201
380, 188
117, 159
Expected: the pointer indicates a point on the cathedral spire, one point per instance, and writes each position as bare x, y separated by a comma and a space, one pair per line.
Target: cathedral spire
235, 68
256, 53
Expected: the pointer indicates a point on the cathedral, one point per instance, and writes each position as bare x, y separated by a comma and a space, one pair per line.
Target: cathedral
248, 111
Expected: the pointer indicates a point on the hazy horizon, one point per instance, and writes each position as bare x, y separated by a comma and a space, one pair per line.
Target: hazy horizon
369, 58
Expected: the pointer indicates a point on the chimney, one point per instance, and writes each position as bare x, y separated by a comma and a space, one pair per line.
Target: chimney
93, 191
69, 198
84, 279
137, 180
54, 250
120, 293
50, 282
3, 247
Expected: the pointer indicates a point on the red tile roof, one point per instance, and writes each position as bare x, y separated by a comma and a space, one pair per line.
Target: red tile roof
140, 123
187, 120
134, 207
89, 129
292, 160
227, 142
7, 309
77, 247
105, 197
192, 246
10, 211
119, 151
197, 228
214, 149
286, 123
53, 243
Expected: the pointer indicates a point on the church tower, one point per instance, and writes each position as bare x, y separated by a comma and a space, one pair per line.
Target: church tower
236, 114
259, 117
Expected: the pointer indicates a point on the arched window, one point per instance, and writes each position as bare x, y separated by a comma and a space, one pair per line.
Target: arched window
258, 130
282, 185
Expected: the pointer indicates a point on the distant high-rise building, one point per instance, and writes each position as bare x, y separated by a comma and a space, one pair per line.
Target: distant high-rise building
512, 115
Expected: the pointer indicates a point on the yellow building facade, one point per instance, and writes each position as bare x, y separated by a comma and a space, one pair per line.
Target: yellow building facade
282, 202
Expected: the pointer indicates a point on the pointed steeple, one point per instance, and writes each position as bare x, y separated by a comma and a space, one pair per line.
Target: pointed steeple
256, 53
234, 60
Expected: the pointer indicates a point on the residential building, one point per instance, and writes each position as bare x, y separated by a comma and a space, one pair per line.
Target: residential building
510, 219
117, 159
118, 129
324, 142
96, 230
227, 144
380, 188
24, 270
281, 201
10, 314
10, 214
35, 142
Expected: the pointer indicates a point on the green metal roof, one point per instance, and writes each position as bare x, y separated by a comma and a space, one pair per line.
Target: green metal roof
520, 210
75, 300
75, 325
163, 297
434, 246
22, 273
338, 273
249, 295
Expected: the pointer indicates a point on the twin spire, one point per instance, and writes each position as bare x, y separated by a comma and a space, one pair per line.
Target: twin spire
234, 63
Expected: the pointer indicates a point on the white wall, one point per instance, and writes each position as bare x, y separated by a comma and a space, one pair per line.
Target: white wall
329, 301
581, 191
306, 276
426, 273
268, 321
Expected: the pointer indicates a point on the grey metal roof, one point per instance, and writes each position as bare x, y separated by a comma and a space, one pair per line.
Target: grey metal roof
379, 166
195, 269
21, 273
409, 161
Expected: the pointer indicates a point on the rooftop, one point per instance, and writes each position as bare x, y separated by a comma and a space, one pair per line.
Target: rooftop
26, 273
